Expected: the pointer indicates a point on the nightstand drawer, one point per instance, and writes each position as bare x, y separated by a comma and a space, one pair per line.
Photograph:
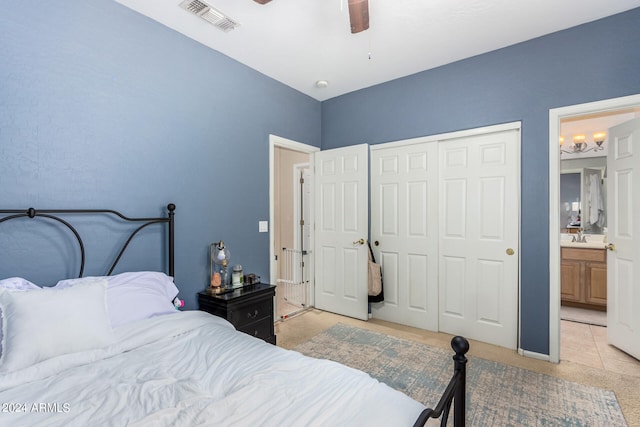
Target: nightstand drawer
260, 329
245, 314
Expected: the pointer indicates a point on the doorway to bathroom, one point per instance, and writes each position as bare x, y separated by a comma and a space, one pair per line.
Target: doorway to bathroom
584, 260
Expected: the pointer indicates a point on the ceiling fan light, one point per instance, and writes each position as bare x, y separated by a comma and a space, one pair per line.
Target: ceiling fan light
359, 15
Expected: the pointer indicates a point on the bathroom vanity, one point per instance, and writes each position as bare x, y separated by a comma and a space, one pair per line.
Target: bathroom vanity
584, 275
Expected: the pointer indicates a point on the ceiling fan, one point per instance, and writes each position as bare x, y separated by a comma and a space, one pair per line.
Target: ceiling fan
358, 14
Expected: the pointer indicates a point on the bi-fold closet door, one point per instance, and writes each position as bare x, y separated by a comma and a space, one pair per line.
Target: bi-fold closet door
445, 227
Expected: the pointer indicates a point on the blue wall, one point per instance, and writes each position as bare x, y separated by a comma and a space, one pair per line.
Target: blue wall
101, 107
591, 62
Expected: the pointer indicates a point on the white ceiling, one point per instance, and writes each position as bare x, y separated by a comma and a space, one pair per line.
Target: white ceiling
298, 42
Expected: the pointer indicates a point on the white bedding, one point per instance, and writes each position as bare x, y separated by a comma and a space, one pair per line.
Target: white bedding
191, 369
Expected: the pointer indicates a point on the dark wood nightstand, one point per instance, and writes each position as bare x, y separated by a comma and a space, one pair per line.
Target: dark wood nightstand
249, 309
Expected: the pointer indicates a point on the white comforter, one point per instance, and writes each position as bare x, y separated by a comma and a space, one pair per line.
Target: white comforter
192, 369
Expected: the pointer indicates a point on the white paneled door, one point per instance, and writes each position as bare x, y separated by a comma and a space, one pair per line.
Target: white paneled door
478, 237
341, 205
404, 232
623, 206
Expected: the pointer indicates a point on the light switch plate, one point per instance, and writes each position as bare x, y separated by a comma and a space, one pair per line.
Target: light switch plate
263, 226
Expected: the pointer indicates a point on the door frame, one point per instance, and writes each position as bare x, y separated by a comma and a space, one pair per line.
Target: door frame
274, 142
555, 116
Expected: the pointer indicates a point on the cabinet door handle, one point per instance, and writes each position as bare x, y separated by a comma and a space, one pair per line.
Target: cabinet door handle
253, 315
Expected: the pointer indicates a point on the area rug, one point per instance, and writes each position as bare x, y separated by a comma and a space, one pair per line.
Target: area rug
497, 394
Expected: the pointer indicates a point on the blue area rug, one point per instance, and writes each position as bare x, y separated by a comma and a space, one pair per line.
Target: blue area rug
497, 394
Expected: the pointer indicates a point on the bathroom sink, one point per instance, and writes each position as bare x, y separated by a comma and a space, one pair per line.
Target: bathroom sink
593, 241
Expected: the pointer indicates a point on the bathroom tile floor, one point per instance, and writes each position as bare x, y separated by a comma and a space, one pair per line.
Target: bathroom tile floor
587, 345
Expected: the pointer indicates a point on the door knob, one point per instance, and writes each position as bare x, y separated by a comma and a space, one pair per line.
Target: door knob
376, 243
611, 247
510, 251
359, 242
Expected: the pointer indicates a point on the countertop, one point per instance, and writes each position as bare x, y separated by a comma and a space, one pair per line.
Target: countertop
587, 245
594, 241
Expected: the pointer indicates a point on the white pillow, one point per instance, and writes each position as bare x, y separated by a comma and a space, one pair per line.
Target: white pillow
14, 283
49, 322
135, 295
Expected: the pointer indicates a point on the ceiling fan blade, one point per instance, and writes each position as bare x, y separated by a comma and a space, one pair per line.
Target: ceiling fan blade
358, 15
262, 1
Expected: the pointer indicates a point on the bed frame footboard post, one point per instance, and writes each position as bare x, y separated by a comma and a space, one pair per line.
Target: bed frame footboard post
455, 393
461, 346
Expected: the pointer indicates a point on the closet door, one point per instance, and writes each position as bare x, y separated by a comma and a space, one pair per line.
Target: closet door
404, 225
478, 244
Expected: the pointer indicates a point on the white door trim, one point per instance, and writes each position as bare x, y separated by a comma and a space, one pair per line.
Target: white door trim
555, 116
277, 141
450, 135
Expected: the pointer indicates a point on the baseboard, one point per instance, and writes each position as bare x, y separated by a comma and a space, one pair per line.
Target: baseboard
533, 355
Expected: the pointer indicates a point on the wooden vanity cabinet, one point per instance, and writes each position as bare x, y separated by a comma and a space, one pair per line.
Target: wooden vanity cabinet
584, 277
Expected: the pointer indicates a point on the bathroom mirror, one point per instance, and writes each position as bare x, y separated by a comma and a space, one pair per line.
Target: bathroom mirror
583, 195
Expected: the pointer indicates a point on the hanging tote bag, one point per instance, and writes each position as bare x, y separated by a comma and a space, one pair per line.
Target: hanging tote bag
374, 278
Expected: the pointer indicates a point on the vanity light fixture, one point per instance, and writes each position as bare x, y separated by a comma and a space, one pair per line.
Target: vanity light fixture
580, 143
599, 138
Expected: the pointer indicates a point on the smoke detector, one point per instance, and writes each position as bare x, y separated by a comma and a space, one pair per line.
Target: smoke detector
209, 14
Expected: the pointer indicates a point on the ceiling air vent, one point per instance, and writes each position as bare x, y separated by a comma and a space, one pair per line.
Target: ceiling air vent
209, 14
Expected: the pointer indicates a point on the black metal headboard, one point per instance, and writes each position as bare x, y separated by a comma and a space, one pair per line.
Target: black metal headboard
144, 222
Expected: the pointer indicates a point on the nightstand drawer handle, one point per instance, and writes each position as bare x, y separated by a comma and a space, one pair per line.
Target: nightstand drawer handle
254, 315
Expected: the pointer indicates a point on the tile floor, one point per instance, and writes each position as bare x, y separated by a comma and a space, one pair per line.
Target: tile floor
583, 315
587, 345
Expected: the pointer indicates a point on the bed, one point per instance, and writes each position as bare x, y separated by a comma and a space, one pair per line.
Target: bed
113, 350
